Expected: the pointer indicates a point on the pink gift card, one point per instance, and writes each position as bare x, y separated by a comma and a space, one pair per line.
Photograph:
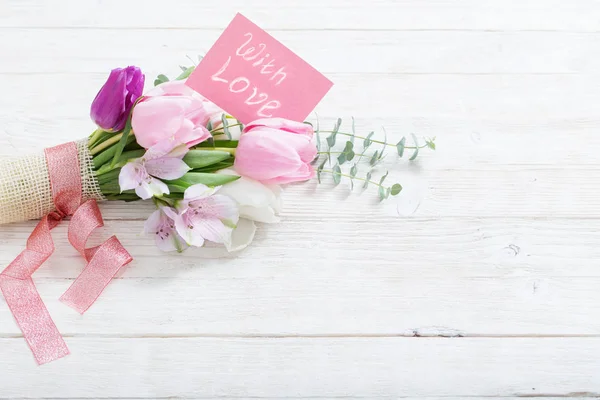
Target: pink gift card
251, 75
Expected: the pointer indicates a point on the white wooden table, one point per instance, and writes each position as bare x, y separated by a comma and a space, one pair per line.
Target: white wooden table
482, 279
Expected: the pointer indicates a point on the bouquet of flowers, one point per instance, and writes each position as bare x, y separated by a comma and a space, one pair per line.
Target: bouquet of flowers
210, 176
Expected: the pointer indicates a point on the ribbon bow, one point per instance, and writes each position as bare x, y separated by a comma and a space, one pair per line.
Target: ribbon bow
103, 261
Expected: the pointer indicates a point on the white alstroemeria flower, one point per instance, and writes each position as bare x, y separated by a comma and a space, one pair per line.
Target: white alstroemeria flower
257, 202
204, 215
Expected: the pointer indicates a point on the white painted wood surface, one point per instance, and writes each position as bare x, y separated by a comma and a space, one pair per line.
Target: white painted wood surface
480, 280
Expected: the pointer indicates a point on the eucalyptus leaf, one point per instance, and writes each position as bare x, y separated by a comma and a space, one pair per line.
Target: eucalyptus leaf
160, 79
383, 177
416, 153
320, 169
430, 143
193, 178
353, 171
395, 189
382, 193
225, 126
203, 158
367, 179
337, 174
341, 158
368, 141
374, 157
400, 146
186, 73
353, 131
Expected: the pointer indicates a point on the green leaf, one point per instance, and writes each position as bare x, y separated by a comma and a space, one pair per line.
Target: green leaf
353, 131
332, 137
384, 193
203, 158
350, 155
318, 135
186, 73
230, 144
183, 68
400, 146
383, 177
337, 174
123, 142
209, 126
338, 123
367, 179
353, 171
125, 157
225, 126
374, 158
430, 143
217, 166
160, 79
341, 158
193, 178
416, 153
106, 155
368, 141
395, 189
320, 169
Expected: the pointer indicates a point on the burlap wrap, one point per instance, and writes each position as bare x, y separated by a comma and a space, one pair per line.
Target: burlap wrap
25, 187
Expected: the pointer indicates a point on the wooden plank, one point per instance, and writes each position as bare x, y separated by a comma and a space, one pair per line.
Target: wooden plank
298, 303
413, 248
307, 367
582, 15
401, 52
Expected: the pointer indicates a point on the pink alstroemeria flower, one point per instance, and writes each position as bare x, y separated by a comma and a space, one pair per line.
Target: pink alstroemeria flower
204, 215
163, 229
160, 161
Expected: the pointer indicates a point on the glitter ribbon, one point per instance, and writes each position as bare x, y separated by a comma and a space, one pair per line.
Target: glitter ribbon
103, 261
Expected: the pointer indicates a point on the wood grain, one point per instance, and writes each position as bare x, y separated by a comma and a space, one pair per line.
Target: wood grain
479, 281
285, 368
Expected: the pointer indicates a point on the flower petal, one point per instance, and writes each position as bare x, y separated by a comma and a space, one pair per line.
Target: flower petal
166, 168
129, 177
257, 201
212, 229
241, 236
151, 187
153, 222
191, 236
222, 208
198, 191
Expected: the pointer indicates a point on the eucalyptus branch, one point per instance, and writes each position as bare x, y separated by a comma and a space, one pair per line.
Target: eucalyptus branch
378, 141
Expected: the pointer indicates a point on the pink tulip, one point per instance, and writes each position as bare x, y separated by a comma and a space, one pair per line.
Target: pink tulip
276, 151
172, 111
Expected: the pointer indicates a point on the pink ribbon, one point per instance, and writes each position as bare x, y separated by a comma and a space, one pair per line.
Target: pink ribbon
104, 261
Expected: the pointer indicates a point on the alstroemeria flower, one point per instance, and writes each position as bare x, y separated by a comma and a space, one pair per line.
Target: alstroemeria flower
161, 161
256, 201
204, 215
112, 105
163, 228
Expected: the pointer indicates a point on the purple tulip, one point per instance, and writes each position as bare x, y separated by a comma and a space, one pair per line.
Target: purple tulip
113, 103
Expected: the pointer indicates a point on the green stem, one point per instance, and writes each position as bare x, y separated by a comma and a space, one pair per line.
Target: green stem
338, 152
348, 176
221, 128
373, 140
107, 144
94, 136
225, 149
